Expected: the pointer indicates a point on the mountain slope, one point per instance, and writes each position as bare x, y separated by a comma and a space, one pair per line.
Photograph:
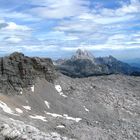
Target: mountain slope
65, 108
105, 107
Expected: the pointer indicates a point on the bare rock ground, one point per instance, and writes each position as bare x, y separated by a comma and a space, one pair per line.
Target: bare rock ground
94, 108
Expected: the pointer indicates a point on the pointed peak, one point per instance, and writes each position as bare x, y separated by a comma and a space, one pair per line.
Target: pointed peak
112, 58
82, 54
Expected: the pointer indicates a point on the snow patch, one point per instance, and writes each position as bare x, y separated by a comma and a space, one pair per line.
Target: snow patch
86, 109
64, 96
54, 115
27, 101
47, 104
5, 108
59, 90
19, 110
71, 118
38, 117
33, 88
27, 107
21, 91
64, 116
60, 126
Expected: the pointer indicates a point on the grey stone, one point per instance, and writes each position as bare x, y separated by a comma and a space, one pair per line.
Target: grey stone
18, 71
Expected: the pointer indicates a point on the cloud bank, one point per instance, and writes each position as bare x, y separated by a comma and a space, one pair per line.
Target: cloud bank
52, 25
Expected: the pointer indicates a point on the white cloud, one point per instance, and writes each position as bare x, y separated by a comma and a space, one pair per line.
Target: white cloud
91, 21
113, 42
78, 25
101, 47
117, 39
71, 8
57, 36
9, 48
125, 39
13, 39
13, 26
59, 9
12, 33
104, 19
133, 7
2, 21
39, 48
5, 48
71, 38
107, 27
22, 16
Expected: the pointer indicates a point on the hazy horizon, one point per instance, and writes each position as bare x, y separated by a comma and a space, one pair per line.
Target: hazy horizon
106, 53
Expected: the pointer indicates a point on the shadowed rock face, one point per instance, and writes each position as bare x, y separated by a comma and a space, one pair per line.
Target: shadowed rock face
82, 64
18, 71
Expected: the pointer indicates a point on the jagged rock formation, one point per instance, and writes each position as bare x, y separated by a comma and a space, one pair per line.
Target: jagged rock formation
83, 54
82, 64
18, 71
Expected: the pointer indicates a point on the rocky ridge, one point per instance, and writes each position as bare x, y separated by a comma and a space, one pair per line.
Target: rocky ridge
18, 72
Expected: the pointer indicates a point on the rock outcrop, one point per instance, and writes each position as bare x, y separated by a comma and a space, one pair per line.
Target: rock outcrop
18, 71
18, 130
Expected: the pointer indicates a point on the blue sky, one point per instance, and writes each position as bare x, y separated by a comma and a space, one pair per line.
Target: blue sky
56, 28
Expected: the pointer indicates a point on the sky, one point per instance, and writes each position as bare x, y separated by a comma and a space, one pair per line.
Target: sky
57, 28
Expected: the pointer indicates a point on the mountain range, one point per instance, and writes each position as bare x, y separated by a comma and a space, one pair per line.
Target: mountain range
39, 102
84, 64
133, 62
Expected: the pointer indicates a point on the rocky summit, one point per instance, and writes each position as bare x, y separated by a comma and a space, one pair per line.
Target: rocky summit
44, 104
82, 54
84, 64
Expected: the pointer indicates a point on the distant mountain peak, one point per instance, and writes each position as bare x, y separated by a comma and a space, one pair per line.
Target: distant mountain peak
112, 57
82, 54
84, 64
17, 54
